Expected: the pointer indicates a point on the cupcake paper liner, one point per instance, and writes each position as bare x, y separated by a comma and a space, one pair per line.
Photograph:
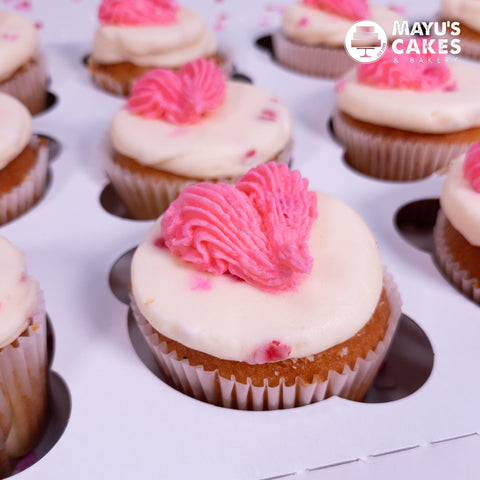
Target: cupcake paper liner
470, 48
23, 390
451, 268
30, 86
390, 159
29, 191
322, 61
148, 198
212, 388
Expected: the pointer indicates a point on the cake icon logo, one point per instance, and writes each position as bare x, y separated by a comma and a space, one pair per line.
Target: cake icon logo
366, 41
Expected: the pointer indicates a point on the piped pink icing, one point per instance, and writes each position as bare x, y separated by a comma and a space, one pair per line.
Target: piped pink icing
257, 230
179, 98
352, 9
275, 351
471, 166
398, 72
137, 12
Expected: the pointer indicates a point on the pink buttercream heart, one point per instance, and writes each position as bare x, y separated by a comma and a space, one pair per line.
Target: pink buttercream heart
257, 231
179, 98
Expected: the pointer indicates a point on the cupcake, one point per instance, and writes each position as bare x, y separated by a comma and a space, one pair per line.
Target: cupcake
23, 359
23, 160
467, 12
313, 35
263, 295
182, 128
136, 36
457, 231
23, 70
406, 116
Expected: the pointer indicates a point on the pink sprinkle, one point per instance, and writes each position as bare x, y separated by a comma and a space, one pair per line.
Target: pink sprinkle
23, 6
264, 22
198, 282
219, 26
274, 99
160, 242
250, 153
340, 85
304, 21
38, 25
451, 87
23, 277
0, 304
10, 38
268, 115
274, 351
397, 8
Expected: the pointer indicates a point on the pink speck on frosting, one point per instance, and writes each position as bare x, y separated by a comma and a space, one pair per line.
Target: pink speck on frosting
303, 22
257, 230
159, 242
23, 6
137, 12
179, 98
450, 87
200, 283
38, 25
352, 9
268, 115
399, 72
274, 351
471, 166
10, 37
398, 9
340, 85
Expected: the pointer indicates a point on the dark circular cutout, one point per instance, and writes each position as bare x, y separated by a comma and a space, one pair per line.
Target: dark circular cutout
112, 203
415, 221
265, 43
119, 277
51, 102
84, 59
241, 77
54, 146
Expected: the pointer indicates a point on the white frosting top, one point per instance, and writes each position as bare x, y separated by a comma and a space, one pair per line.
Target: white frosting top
231, 319
18, 43
436, 111
324, 28
461, 203
467, 11
166, 46
15, 128
18, 293
249, 128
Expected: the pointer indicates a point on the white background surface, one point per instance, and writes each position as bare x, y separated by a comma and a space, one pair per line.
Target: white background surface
125, 422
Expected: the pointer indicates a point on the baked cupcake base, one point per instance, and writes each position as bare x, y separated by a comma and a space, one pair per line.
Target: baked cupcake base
330, 62
118, 78
29, 84
23, 180
392, 154
147, 192
346, 370
457, 258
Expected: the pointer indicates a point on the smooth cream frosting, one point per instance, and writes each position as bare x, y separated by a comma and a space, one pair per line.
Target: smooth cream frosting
165, 46
324, 28
231, 319
15, 128
436, 111
461, 203
18, 43
249, 128
467, 11
18, 293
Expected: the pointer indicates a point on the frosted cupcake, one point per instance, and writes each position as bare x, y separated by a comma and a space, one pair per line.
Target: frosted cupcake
179, 129
23, 160
467, 12
23, 71
403, 121
23, 359
457, 232
138, 35
313, 34
264, 295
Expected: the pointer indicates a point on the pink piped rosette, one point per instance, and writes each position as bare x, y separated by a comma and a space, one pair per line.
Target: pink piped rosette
392, 154
134, 12
257, 212
320, 60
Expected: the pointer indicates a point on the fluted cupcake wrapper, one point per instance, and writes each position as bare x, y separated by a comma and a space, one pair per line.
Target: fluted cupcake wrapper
470, 48
23, 390
330, 62
23, 196
30, 86
451, 268
146, 197
382, 157
209, 386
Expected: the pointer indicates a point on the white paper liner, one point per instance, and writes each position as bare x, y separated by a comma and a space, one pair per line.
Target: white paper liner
30, 86
322, 61
452, 269
148, 198
23, 390
110, 84
212, 388
28, 192
390, 159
